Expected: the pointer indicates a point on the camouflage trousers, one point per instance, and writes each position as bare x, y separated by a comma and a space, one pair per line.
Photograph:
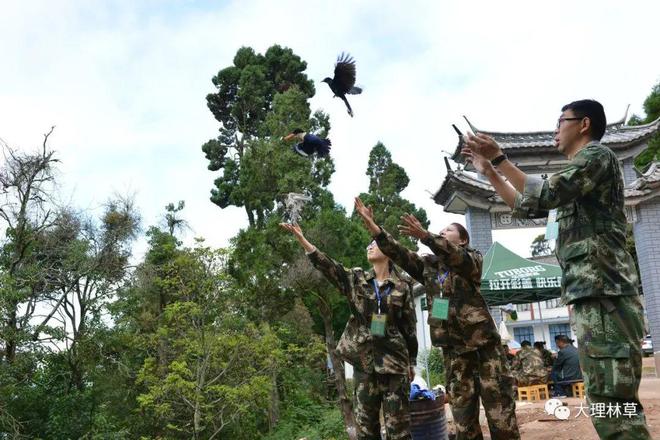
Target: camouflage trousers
481, 373
525, 381
392, 391
609, 333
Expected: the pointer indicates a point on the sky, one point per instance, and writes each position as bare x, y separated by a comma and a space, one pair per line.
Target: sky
125, 82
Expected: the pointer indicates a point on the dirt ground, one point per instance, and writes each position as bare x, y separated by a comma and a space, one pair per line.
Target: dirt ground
535, 424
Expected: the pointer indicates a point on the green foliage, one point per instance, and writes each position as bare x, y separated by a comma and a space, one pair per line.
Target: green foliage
386, 182
173, 221
540, 246
345, 240
652, 110
53, 385
187, 341
213, 377
652, 104
258, 100
313, 422
433, 361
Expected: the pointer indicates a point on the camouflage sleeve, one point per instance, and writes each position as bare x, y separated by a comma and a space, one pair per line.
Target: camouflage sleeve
515, 363
580, 177
409, 327
337, 274
457, 258
400, 255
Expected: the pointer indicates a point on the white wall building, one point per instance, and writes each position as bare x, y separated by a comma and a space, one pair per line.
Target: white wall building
541, 322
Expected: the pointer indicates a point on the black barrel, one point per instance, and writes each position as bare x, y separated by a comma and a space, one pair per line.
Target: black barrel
427, 419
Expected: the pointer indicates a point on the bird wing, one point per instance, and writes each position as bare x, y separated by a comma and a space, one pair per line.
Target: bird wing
344, 79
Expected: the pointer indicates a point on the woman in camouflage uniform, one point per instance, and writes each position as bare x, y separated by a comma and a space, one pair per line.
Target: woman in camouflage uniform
460, 324
379, 339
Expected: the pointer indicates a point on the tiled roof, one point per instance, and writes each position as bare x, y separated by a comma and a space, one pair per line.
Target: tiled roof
647, 185
461, 181
617, 135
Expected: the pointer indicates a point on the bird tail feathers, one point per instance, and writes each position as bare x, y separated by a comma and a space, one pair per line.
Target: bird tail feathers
324, 148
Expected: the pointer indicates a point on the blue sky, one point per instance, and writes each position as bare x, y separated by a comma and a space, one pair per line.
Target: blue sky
125, 84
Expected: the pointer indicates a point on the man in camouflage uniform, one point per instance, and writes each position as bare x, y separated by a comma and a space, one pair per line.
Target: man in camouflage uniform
474, 357
599, 277
383, 364
528, 366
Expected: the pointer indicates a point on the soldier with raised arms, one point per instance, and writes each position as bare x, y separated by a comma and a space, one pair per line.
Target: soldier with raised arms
599, 280
460, 324
379, 339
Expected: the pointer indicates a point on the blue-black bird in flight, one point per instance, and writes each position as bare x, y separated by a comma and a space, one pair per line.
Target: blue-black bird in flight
343, 82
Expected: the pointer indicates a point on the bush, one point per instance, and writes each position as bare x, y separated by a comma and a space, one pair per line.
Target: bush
323, 422
433, 360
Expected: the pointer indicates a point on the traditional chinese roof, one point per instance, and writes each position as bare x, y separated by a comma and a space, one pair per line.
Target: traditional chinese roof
537, 149
646, 187
462, 189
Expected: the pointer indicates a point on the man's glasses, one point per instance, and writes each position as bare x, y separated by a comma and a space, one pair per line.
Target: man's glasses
560, 120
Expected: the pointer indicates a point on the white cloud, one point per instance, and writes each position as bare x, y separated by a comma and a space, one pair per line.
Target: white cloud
125, 84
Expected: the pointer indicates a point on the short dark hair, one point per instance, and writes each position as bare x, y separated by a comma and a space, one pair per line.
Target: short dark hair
563, 338
539, 344
588, 108
298, 131
525, 344
462, 232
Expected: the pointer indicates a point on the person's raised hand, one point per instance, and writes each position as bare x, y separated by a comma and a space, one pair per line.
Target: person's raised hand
483, 145
297, 232
481, 164
367, 215
293, 228
412, 227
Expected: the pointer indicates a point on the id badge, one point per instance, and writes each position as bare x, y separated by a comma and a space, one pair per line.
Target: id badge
378, 323
440, 308
552, 228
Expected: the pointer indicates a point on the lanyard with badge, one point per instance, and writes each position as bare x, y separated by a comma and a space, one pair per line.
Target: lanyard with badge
379, 320
552, 227
440, 308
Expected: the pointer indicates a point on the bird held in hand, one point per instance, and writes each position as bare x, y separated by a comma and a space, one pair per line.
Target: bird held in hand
308, 144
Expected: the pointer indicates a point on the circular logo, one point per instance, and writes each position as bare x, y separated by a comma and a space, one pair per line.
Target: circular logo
551, 405
563, 413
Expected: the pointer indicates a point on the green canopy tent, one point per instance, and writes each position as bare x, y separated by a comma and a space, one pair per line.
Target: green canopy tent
510, 278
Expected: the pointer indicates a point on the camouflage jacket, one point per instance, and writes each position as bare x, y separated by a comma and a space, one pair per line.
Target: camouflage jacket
469, 324
591, 247
548, 360
528, 363
392, 354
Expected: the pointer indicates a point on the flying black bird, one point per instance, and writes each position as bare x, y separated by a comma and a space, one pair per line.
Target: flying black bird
309, 143
344, 81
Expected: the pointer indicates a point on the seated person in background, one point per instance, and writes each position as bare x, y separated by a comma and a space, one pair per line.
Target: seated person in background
528, 366
567, 365
546, 354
